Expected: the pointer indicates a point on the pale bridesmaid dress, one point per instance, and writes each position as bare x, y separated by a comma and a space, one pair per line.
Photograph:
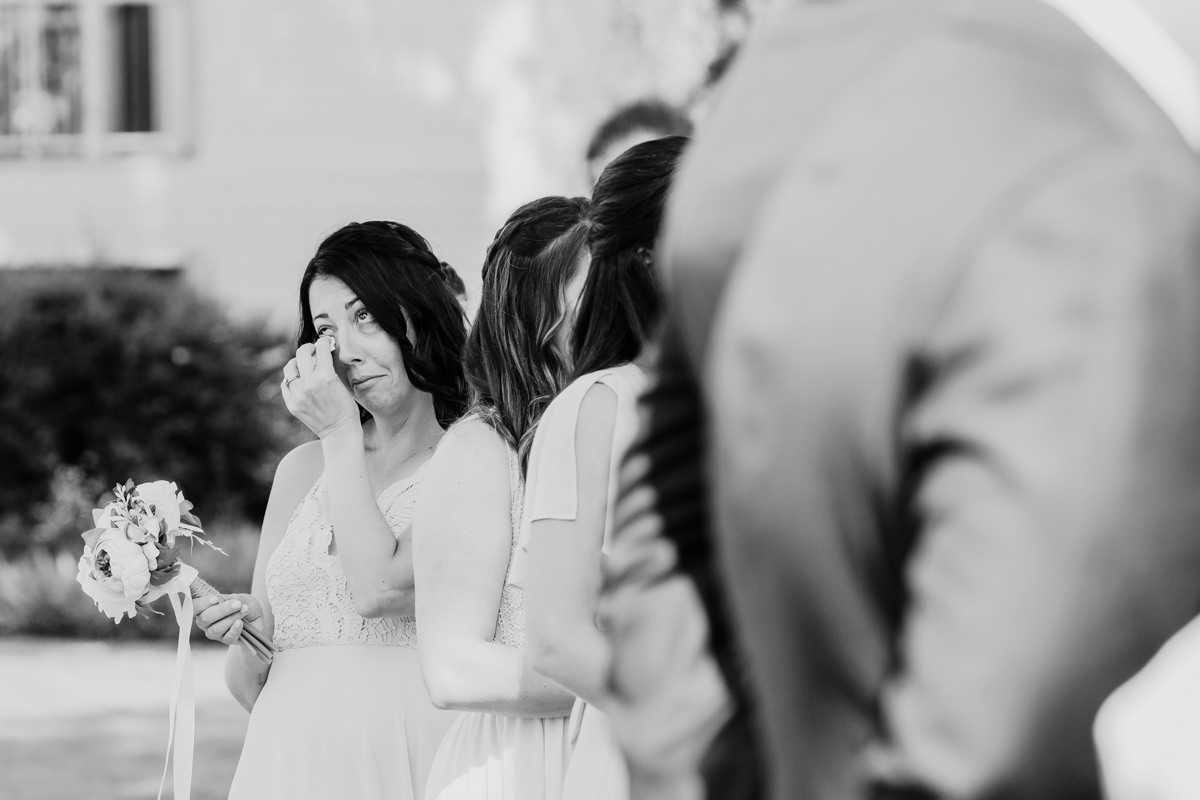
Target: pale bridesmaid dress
492, 756
597, 770
344, 712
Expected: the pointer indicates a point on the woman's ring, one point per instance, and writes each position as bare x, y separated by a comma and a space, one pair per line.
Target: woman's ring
287, 381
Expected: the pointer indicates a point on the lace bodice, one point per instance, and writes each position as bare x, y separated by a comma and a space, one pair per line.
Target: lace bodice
510, 623
307, 588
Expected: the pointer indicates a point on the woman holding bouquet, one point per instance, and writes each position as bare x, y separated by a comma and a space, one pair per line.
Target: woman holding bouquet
511, 742
342, 710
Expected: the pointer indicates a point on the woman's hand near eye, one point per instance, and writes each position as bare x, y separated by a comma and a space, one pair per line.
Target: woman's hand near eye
314, 393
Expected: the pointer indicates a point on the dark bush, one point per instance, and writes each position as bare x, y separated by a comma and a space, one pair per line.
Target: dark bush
111, 374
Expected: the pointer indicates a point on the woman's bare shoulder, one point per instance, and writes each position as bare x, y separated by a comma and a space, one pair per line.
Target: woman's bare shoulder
473, 438
301, 467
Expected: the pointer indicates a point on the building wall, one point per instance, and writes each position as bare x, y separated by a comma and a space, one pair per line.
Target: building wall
305, 114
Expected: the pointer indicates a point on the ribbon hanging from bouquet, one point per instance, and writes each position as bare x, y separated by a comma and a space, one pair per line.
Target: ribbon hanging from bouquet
181, 734
130, 559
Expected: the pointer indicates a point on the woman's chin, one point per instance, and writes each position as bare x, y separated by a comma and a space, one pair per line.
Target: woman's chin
376, 403
374, 409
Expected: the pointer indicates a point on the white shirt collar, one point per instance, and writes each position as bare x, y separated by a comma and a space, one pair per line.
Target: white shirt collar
1147, 52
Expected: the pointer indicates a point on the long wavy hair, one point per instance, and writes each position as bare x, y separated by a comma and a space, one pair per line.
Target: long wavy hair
393, 271
622, 298
513, 365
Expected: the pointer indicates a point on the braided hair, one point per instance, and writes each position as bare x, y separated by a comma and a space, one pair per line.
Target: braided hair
393, 271
512, 362
622, 299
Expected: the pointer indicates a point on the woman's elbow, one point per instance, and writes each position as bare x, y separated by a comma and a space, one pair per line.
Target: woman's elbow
368, 606
245, 687
441, 683
546, 652
441, 695
384, 602
245, 697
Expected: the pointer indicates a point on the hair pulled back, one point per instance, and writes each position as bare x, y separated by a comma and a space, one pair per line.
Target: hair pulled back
512, 362
622, 298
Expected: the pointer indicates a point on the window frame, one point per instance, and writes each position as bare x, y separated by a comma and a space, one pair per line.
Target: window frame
170, 84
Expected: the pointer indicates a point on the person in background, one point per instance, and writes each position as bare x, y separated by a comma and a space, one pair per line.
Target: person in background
511, 739
342, 711
578, 445
627, 125
933, 316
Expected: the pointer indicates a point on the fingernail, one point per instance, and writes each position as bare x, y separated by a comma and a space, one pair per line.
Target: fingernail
236, 605
212, 601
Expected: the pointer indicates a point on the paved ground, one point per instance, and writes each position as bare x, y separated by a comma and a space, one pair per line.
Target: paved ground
88, 721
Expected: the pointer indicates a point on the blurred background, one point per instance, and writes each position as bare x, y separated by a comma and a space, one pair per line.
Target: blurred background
167, 167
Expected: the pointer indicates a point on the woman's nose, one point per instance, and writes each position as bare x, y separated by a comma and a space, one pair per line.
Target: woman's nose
347, 351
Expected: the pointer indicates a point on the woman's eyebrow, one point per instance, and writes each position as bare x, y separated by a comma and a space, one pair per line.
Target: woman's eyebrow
349, 303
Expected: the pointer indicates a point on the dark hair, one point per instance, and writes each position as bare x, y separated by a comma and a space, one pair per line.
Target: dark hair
512, 362
622, 299
395, 274
453, 281
648, 114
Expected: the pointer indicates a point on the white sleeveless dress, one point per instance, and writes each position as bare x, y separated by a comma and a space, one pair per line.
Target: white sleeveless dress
344, 712
492, 756
597, 769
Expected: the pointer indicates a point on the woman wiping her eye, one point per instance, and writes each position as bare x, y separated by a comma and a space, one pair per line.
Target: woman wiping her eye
343, 711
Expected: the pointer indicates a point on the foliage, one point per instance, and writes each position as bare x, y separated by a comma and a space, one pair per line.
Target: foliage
117, 374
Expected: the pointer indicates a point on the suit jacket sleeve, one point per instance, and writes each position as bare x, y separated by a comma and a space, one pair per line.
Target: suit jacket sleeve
1054, 443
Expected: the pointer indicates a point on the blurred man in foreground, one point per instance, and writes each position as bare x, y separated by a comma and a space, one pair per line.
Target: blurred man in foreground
935, 281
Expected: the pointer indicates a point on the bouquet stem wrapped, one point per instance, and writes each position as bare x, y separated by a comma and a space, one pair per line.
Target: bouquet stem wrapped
251, 636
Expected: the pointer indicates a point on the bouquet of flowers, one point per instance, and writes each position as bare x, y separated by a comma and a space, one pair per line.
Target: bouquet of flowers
131, 558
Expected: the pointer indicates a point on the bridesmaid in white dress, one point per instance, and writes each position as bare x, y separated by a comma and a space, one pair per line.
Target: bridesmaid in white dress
511, 742
342, 711
578, 447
